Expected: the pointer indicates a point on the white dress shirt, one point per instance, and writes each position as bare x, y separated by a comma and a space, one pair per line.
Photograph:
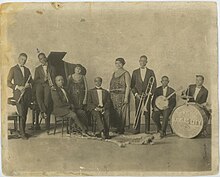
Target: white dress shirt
165, 91
64, 92
22, 69
196, 93
45, 69
99, 92
143, 73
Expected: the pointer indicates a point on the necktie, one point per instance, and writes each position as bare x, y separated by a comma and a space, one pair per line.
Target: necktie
64, 93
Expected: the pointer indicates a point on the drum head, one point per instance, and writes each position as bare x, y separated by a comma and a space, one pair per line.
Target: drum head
187, 121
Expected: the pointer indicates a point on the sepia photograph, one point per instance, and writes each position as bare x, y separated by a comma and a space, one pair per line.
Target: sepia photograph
109, 88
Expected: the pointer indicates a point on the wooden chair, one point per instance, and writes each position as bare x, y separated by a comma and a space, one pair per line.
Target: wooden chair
13, 117
64, 120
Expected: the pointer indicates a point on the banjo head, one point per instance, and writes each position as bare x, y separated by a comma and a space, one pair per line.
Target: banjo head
161, 102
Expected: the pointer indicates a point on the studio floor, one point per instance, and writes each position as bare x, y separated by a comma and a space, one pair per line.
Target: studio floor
44, 154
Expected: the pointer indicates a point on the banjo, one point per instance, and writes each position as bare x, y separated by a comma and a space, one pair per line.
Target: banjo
162, 102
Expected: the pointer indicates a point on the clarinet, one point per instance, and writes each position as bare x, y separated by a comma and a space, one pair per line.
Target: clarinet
22, 93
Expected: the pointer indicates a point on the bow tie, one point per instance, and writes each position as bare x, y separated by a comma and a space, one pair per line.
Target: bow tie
100, 88
21, 66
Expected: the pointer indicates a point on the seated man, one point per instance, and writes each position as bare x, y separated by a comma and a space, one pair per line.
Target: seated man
98, 104
197, 92
62, 105
163, 90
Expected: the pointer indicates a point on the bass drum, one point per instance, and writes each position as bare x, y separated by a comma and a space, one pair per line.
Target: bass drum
188, 120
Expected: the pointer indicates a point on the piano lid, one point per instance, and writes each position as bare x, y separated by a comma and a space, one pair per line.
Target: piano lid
62, 67
56, 56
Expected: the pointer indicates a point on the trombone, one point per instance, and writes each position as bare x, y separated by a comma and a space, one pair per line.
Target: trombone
142, 107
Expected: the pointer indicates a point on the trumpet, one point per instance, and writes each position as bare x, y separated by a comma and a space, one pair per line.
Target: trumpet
142, 107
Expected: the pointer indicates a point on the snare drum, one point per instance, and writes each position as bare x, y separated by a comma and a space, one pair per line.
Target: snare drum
188, 120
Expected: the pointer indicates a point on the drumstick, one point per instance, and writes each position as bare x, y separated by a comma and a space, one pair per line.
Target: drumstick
174, 92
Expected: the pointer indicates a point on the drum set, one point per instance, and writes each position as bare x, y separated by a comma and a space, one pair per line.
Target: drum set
187, 120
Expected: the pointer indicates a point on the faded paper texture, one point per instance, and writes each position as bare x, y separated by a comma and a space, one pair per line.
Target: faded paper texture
180, 41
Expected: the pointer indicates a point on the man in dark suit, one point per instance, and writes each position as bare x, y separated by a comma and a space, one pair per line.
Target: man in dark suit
62, 105
165, 91
98, 104
21, 85
197, 91
44, 80
139, 81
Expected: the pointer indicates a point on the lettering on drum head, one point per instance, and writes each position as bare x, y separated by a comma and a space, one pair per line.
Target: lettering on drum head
187, 121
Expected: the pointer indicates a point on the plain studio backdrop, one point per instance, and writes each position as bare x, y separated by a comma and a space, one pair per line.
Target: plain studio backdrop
177, 38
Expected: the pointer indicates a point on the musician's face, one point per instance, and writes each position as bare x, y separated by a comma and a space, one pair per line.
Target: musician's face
199, 81
98, 82
43, 59
118, 64
22, 60
77, 70
143, 62
59, 81
165, 82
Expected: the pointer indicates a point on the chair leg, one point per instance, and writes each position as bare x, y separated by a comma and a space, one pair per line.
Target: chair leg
70, 126
16, 124
55, 125
62, 125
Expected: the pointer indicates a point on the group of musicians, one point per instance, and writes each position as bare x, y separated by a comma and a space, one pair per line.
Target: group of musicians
53, 98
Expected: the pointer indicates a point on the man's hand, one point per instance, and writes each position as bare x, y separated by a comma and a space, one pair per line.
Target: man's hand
72, 107
84, 102
21, 88
125, 101
138, 96
27, 85
165, 107
53, 87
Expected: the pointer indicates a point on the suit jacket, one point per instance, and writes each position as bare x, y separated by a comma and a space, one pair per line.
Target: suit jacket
137, 85
60, 106
93, 101
39, 74
159, 92
16, 75
202, 95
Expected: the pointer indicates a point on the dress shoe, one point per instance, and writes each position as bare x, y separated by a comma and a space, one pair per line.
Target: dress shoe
162, 134
103, 135
37, 127
136, 132
147, 132
24, 137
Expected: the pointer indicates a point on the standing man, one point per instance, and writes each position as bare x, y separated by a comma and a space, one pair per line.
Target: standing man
139, 82
21, 85
44, 79
98, 104
165, 91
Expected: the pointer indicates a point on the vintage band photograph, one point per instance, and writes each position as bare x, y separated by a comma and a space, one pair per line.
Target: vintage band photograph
109, 88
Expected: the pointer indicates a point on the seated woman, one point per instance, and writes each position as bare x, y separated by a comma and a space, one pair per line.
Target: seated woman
77, 88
